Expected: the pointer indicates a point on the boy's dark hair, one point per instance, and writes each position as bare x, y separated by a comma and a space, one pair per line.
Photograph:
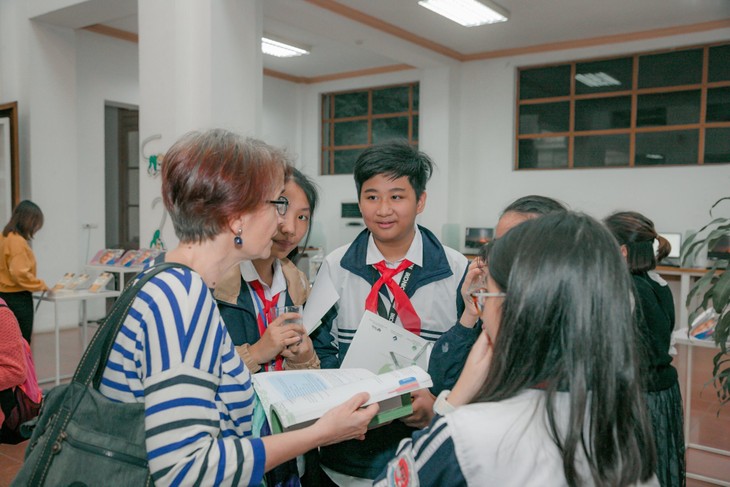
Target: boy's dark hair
26, 220
534, 204
396, 158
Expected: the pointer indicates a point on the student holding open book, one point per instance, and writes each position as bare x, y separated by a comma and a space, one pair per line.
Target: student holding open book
551, 391
174, 354
398, 270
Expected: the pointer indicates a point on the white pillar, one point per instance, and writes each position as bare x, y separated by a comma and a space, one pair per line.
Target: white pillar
200, 68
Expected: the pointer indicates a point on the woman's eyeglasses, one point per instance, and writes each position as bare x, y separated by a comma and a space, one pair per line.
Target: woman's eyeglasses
481, 297
282, 204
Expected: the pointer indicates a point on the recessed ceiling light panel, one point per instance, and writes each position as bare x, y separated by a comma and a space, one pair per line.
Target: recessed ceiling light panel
280, 48
468, 13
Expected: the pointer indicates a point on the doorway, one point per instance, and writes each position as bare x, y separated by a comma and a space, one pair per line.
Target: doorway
121, 127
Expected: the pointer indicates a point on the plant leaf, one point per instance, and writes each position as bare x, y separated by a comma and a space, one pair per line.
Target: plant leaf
721, 292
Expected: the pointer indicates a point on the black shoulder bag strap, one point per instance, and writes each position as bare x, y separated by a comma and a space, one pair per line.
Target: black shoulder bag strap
92, 364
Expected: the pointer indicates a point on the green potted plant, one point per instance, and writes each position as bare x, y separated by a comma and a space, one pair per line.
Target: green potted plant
714, 290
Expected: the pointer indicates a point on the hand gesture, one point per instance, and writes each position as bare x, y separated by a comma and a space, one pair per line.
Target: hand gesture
475, 280
346, 421
276, 338
422, 409
475, 371
300, 352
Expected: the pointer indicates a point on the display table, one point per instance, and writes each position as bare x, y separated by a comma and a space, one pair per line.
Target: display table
679, 337
70, 296
118, 270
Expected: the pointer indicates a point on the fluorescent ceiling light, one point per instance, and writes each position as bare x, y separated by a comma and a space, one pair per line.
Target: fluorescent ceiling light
279, 48
595, 80
468, 13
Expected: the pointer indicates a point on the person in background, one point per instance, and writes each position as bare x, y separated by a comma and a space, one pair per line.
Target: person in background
655, 318
174, 354
394, 268
18, 266
549, 396
250, 290
12, 359
451, 350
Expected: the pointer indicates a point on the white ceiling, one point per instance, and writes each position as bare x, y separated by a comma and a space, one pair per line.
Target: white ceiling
340, 44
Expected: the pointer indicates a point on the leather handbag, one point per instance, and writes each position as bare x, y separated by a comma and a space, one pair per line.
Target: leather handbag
82, 437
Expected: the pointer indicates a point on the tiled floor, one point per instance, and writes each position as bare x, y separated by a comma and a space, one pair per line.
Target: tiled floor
709, 425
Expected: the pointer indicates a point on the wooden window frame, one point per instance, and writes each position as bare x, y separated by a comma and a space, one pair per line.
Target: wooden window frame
634, 93
328, 120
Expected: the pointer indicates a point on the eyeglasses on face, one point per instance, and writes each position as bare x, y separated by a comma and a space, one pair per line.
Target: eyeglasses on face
282, 204
481, 297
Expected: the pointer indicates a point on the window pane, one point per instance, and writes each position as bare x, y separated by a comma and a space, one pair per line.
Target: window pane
719, 65
415, 128
351, 133
670, 69
717, 145
390, 100
601, 151
543, 153
660, 148
718, 105
133, 185
326, 162
544, 117
545, 82
351, 104
416, 95
676, 108
390, 128
603, 113
345, 160
326, 106
603, 76
325, 135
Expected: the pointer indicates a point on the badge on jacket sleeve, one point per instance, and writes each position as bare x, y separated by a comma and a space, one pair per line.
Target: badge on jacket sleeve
402, 471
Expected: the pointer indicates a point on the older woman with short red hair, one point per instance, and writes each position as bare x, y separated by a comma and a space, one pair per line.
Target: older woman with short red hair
174, 354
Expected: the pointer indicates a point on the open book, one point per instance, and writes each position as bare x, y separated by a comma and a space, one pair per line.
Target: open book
293, 399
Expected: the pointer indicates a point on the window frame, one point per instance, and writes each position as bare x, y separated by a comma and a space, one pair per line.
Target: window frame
701, 126
328, 120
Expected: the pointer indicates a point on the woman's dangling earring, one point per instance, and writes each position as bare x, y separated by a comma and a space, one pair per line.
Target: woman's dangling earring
237, 240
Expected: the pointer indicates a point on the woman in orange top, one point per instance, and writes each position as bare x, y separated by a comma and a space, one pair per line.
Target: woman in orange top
17, 264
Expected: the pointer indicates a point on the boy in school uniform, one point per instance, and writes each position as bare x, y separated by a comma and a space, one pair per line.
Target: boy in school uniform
394, 268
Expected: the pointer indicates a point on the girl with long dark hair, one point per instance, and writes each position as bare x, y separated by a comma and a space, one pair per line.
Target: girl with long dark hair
551, 393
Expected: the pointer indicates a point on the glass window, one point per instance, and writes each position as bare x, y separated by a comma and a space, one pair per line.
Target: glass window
603, 113
670, 69
604, 76
390, 100
545, 82
601, 151
546, 152
719, 69
717, 145
718, 105
544, 117
351, 104
385, 129
663, 148
345, 160
353, 120
674, 108
351, 133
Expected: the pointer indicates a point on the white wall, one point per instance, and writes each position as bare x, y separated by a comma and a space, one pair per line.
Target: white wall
282, 116
467, 126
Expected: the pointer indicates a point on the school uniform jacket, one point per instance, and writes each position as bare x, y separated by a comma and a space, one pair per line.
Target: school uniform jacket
433, 289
